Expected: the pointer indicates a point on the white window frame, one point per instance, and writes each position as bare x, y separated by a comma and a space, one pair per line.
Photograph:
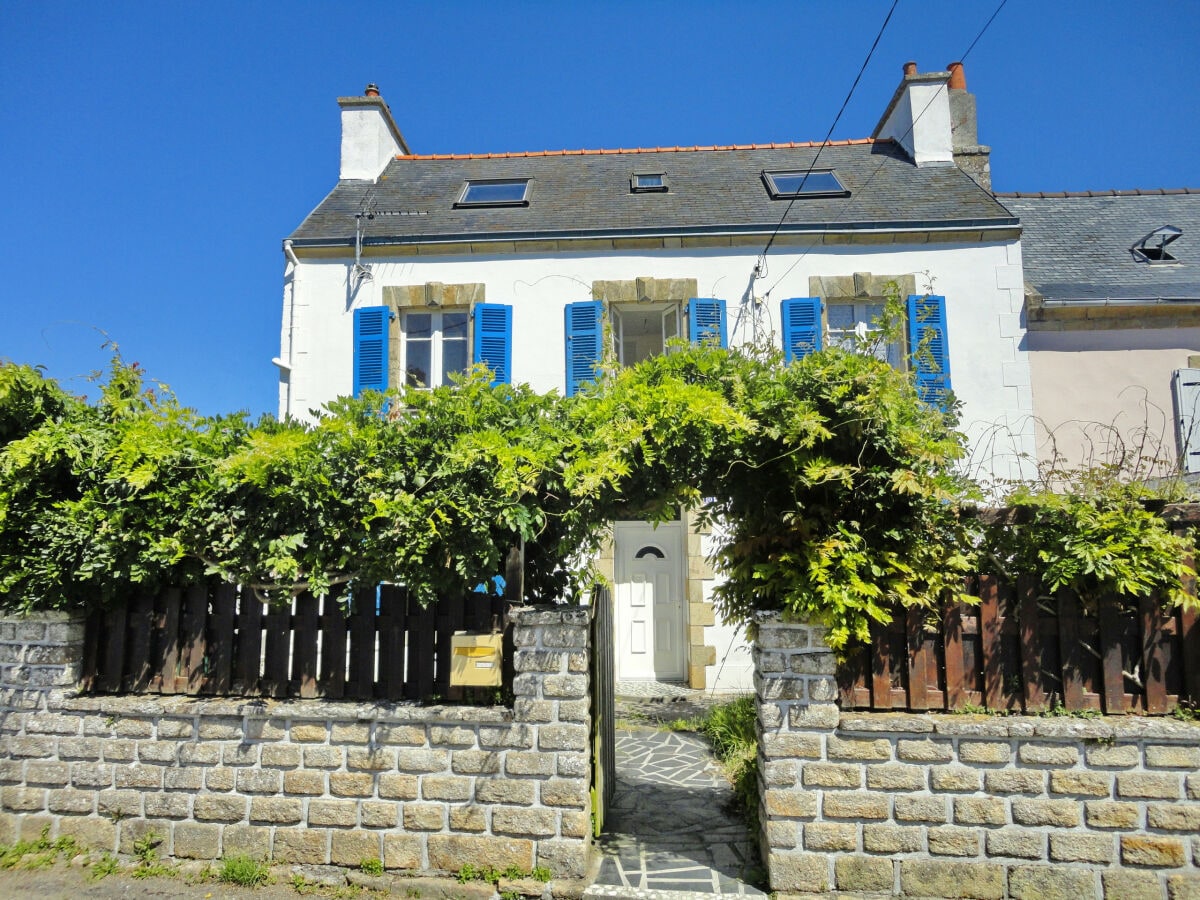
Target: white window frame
866, 330
665, 309
481, 185
436, 340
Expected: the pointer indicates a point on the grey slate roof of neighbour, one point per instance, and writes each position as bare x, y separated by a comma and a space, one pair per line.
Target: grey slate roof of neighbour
1077, 246
587, 194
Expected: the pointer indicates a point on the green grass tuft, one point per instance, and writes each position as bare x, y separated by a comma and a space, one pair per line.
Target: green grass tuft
244, 870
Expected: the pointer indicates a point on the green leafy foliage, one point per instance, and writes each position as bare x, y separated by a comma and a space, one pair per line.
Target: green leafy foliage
149, 865
839, 501
371, 866
834, 493
1097, 538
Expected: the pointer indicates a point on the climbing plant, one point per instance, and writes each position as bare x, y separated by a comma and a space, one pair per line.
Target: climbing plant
833, 491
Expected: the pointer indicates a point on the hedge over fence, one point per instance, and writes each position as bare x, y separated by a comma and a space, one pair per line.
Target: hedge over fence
837, 491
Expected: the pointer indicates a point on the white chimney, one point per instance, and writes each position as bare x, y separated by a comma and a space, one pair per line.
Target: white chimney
918, 118
370, 137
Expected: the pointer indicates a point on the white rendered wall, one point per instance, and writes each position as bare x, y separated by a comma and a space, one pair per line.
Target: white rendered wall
982, 285
1098, 394
929, 140
734, 669
367, 143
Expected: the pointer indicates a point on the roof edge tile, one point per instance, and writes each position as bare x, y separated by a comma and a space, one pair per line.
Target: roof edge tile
774, 145
1132, 192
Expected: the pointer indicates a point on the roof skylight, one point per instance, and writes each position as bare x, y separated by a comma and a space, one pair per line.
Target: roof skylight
648, 182
495, 192
817, 183
1153, 247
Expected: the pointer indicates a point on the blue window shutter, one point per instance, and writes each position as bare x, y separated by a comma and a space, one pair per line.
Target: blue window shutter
371, 348
930, 349
706, 319
493, 339
585, 333
801, 326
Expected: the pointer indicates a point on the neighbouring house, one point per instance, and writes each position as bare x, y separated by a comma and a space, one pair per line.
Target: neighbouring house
1113, 305
414, 266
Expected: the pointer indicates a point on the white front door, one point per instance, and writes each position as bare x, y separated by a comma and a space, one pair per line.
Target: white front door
649, 610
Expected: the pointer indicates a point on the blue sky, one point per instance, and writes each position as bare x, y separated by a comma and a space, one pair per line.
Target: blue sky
155, 155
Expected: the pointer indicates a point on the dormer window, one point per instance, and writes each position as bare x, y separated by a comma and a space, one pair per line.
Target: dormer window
817, 183
648, 183
1153, 247
495, 192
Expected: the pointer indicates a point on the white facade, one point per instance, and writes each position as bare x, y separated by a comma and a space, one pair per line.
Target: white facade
982, 285
981, 282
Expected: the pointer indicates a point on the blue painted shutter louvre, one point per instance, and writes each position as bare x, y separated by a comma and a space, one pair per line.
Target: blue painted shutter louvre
585, 332
371, 348
706, 319
801, 326
1186, 388
493, 339
928, 344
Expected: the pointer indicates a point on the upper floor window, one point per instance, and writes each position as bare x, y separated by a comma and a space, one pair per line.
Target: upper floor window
808, 325
495, 192
434, 343
641, 330
859, 326
435, 347
818, 183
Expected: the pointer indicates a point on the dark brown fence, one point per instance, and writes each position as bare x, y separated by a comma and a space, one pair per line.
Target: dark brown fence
218, 639
1020, 650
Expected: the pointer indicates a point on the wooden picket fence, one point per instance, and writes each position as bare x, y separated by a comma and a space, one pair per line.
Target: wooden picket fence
1020, 650
220, 640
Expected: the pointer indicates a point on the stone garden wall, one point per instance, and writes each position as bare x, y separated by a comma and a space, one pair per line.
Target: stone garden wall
422, 788
966, 806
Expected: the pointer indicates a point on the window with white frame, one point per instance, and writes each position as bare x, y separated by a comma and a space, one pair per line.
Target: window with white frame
859, 326
641, 330
435, 347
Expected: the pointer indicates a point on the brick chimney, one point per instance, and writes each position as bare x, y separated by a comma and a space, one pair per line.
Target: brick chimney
932, 117
370, 137
969, 155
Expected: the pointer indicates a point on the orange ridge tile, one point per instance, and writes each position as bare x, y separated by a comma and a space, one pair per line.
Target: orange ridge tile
519, 154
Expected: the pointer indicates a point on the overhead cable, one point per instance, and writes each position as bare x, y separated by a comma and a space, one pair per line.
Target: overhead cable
857, 78
862, 190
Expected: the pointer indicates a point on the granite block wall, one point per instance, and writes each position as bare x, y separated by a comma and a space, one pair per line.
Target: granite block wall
422, 788
966, 806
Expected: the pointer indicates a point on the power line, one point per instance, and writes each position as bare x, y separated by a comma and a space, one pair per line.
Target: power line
986, 26
857, 78
862, 190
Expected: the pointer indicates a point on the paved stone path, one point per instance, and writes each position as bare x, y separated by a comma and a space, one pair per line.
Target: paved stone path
670, 834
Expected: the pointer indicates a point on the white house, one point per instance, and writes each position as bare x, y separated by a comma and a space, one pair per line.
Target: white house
413, 266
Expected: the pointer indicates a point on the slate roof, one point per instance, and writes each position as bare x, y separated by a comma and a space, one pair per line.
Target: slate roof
712, 191
1076, 246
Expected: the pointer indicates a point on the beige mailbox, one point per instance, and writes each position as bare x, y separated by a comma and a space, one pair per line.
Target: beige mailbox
475, 660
